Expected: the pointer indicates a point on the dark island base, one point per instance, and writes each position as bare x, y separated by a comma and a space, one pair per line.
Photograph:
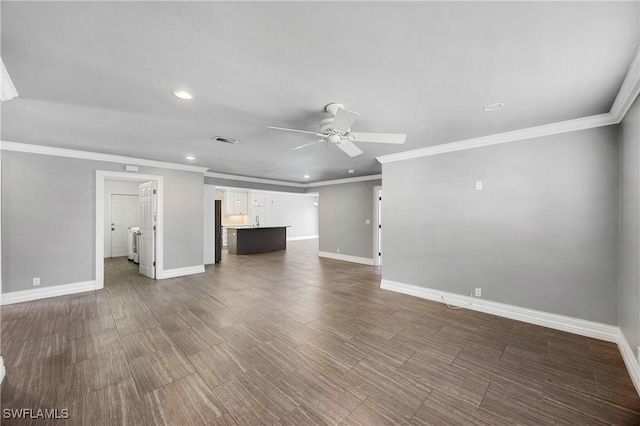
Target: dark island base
256, 240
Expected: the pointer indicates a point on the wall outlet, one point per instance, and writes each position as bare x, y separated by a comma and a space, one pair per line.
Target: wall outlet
479, 185
367, 221
337, 250
36, 281
478, 292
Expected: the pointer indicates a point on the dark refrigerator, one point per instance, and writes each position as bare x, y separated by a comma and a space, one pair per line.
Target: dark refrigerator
218, 230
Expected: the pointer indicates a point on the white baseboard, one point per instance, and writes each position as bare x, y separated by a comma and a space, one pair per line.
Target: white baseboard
46, 292
181, 272
346, 258
306, 237
578, 326
2, 370
633, 367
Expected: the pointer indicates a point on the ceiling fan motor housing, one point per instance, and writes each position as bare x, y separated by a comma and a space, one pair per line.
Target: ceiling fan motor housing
333, 107
325, 125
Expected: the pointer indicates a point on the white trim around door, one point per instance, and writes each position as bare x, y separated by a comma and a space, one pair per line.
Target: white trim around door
377, 222
101, 176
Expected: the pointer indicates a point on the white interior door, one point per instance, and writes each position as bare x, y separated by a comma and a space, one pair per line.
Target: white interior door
147, 247
380, 227
125, 213
377, 230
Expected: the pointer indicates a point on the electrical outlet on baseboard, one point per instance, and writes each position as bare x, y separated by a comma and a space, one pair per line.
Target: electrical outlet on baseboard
36, 281
337, 250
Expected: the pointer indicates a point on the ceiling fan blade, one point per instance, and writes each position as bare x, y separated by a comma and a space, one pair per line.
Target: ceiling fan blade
344, 119
294, 130
349, 148
377, 137
307, 144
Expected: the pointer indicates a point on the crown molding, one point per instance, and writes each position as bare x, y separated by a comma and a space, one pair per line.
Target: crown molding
593, 121
255, 180
345, 180
626, 96
262, 191
85, 155
293, 184
628, 91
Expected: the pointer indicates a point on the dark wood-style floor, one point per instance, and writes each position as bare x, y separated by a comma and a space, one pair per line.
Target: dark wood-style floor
288, 338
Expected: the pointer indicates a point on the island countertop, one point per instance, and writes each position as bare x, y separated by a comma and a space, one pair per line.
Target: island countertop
250, 227
241, 240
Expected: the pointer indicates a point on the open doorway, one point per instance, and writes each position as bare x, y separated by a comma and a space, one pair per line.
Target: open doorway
136, 198
122, 214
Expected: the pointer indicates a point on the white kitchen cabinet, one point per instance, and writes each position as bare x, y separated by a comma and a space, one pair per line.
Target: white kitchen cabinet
236, 202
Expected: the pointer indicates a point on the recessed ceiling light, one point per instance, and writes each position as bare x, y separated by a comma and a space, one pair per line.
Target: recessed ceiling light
350, 171
493, 107
306, 176
190, 157
182, 94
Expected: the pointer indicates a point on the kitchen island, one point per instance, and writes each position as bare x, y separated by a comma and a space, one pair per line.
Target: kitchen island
256, 240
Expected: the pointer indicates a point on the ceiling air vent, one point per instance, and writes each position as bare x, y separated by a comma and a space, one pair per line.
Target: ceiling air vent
226, 140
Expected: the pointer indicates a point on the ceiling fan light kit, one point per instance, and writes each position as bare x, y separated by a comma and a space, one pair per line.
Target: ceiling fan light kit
337, 130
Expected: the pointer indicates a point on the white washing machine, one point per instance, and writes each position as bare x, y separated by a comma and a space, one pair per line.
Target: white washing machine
134, 237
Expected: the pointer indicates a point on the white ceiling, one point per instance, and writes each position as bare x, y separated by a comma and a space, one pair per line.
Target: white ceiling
98, 76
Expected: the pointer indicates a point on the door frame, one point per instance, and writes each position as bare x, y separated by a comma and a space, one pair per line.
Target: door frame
110, 218
377, 260
101, 176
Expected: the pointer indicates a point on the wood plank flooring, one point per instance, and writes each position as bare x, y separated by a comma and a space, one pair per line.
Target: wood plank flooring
289, 338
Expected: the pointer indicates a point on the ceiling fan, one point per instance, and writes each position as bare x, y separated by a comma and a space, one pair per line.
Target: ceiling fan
337, 130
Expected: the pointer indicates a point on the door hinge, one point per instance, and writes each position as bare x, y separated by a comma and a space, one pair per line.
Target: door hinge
379, 253
154, 227
154, 191
380, 198
154, 263
379, 226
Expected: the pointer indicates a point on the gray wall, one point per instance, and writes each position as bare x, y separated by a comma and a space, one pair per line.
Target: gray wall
48, 219
629, 227
252, 185
343, 209
296, 211
542, 234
